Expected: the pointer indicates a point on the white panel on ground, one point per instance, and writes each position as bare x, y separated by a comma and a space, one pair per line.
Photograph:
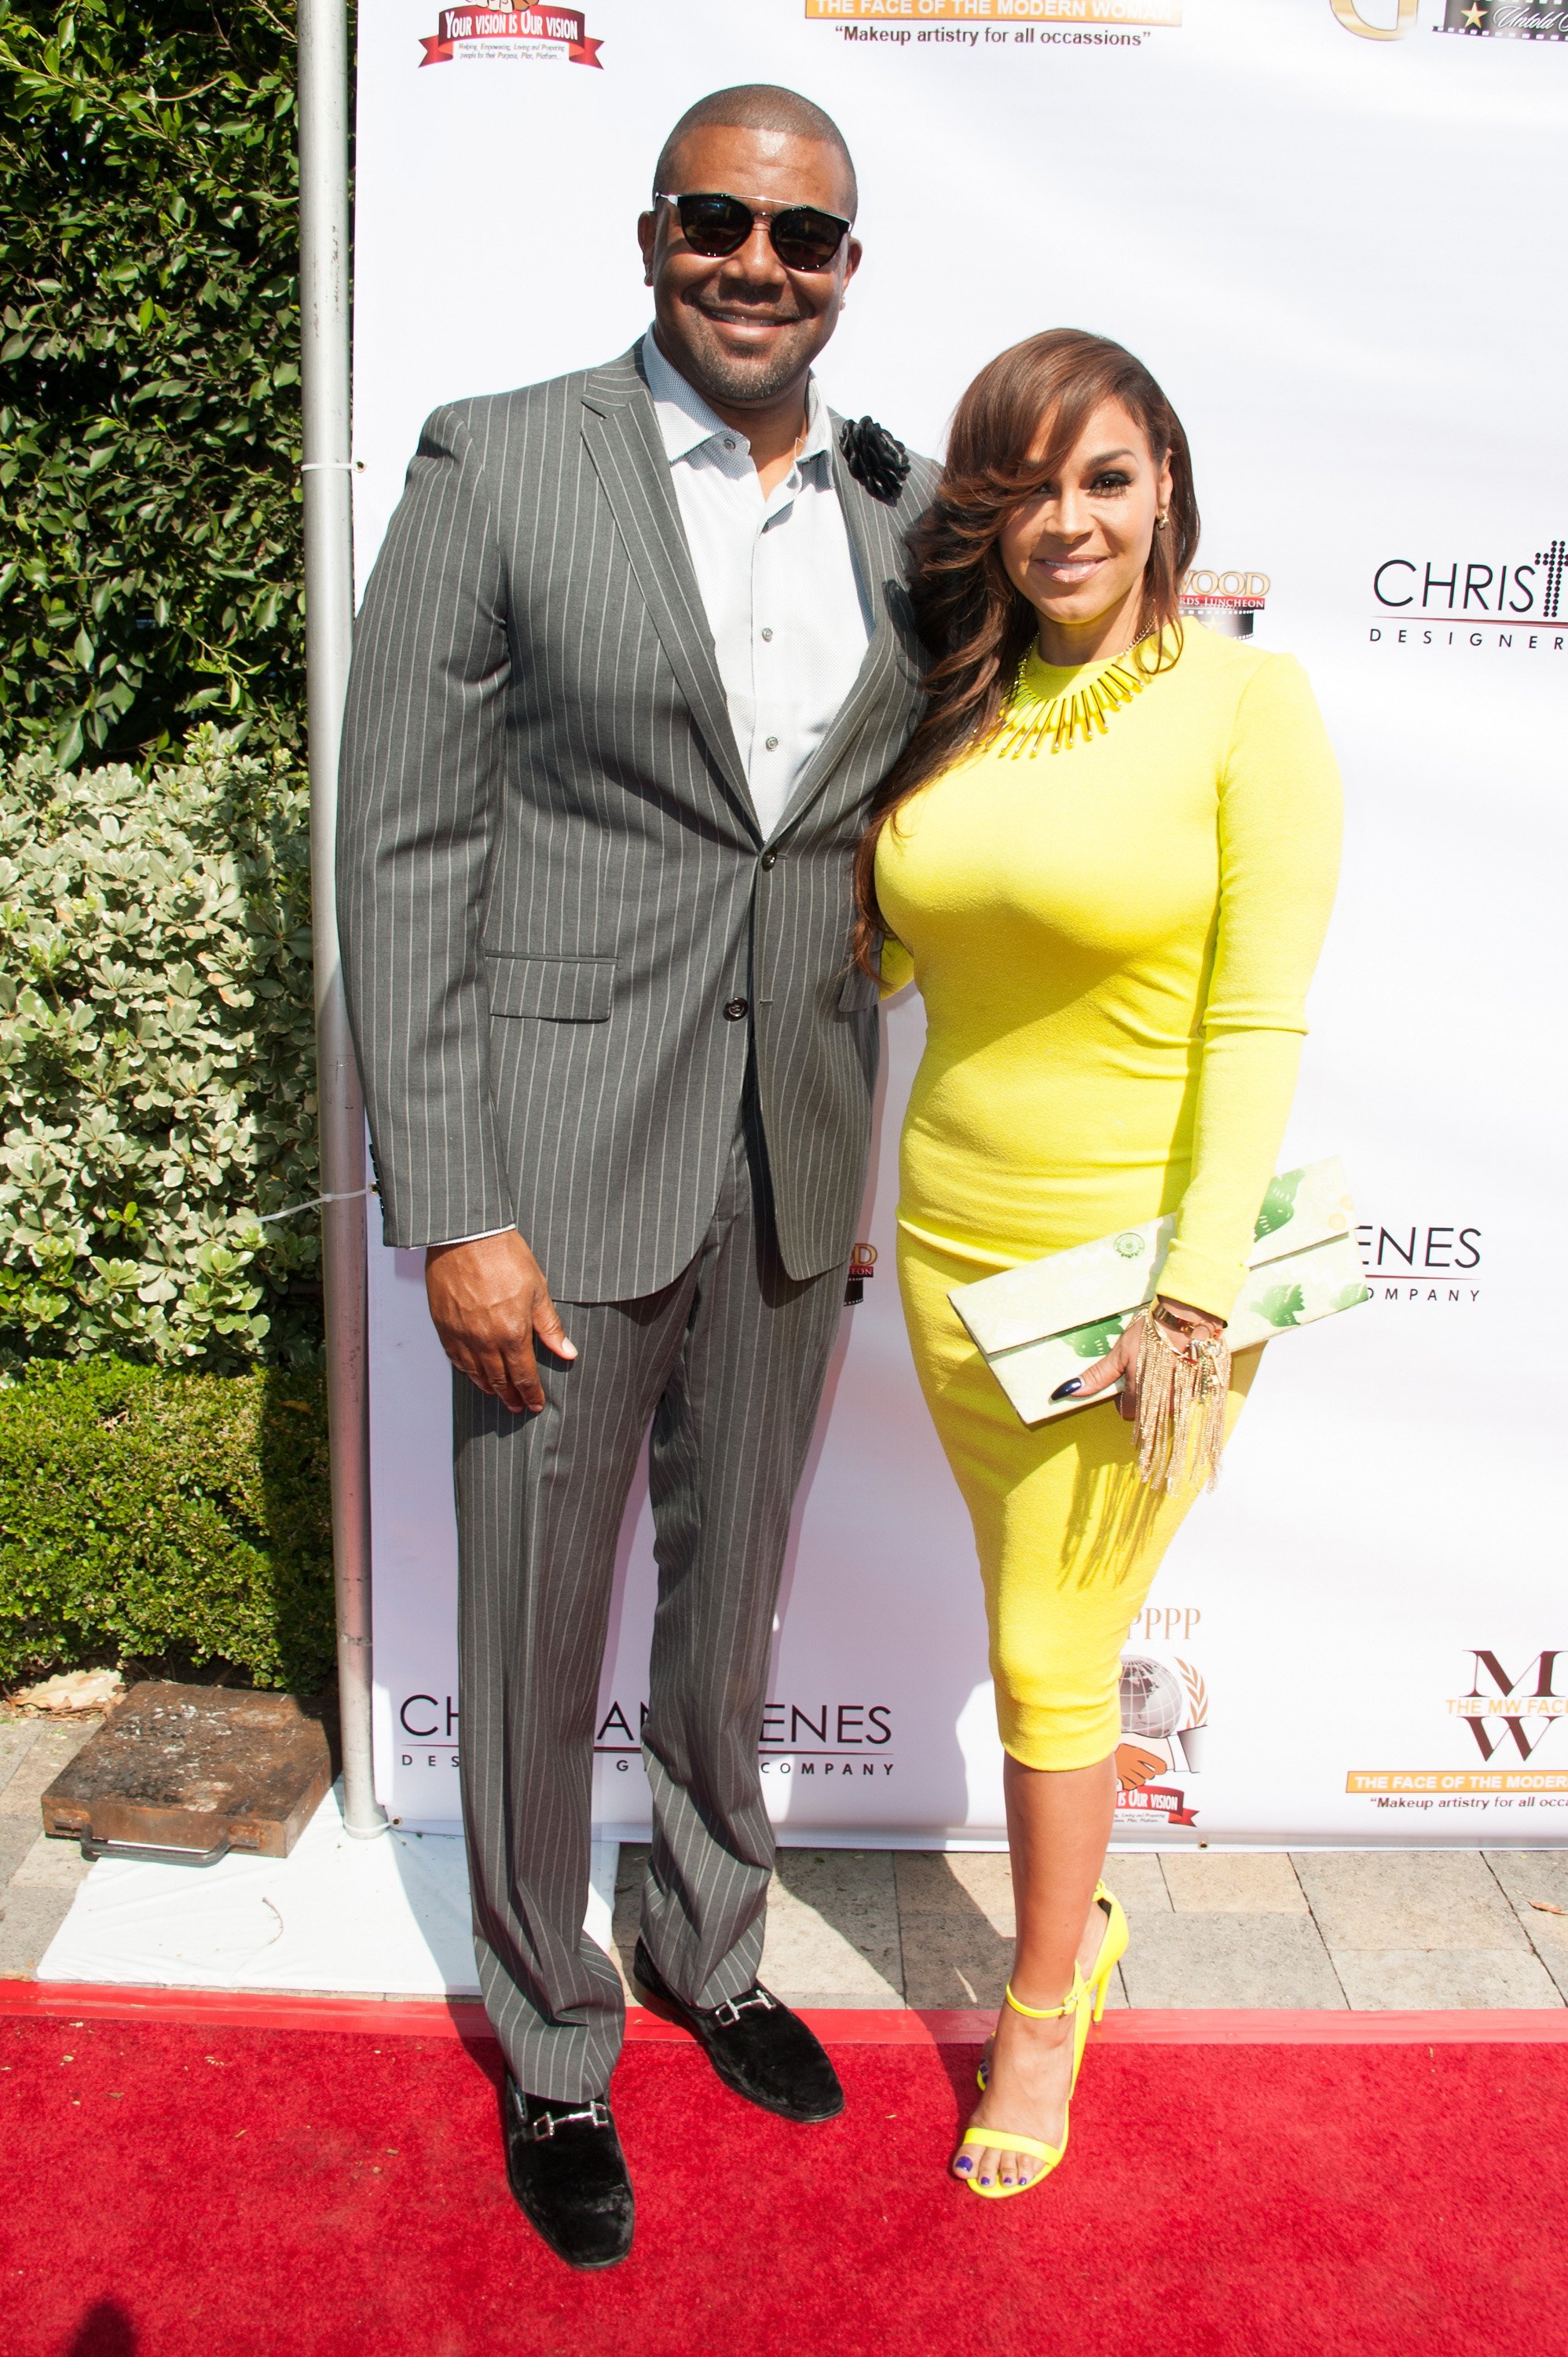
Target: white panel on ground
389, 1917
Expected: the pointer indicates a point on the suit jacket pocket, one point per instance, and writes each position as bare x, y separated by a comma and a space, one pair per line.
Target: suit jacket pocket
552, 990
858, 992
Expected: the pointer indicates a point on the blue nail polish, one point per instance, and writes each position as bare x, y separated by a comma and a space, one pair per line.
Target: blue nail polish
1066, 1391
966, 2166
985, 2180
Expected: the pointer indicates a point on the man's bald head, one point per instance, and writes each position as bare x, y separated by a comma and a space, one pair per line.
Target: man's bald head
755, 106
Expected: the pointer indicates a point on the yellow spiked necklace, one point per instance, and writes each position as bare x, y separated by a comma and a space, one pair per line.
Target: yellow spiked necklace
1031, 722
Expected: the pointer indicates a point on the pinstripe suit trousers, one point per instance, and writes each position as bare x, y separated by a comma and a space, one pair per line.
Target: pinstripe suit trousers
722, 1371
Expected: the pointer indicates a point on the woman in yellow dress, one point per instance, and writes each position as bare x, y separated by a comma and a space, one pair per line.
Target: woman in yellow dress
1107, 859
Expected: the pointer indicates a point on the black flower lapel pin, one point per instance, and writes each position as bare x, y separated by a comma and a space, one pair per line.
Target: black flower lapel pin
877, 463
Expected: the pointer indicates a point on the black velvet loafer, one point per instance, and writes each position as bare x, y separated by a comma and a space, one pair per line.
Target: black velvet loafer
757, 2046
568, 2176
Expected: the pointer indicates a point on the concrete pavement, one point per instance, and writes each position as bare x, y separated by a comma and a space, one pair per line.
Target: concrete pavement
1366, 1929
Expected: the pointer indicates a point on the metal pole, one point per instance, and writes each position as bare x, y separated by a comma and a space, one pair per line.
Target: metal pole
328, 638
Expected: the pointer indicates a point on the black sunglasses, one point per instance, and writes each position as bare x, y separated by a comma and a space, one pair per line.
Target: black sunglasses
804, 238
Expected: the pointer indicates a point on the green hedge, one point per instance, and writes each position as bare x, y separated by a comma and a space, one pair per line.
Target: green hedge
156, 1056
150, 1518
158, 1060
149, 374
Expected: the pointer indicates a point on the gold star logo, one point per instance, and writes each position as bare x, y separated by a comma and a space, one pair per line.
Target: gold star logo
1473, 15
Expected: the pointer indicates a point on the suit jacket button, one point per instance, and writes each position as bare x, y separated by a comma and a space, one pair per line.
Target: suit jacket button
734, 1010
768, 858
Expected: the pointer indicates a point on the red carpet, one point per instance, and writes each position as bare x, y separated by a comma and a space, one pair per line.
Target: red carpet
176, 2188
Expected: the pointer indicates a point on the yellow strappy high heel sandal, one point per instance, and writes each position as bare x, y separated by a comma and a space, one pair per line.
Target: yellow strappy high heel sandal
994, 2139
1112, 1948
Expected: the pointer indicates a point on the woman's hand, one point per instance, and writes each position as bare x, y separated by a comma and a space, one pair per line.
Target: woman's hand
1180, 1322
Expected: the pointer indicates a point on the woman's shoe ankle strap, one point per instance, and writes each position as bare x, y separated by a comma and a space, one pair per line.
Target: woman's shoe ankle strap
1049, 2012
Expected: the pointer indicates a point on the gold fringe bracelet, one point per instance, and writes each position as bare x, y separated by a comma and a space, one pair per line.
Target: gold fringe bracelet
1181, 1406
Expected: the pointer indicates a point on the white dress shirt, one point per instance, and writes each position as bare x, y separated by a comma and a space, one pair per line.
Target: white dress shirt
778, 584
790, 618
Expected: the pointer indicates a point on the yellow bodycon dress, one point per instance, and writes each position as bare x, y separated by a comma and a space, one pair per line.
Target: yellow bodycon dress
1114, 943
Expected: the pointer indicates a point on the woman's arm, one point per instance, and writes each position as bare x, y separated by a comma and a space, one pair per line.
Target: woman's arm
1279, 860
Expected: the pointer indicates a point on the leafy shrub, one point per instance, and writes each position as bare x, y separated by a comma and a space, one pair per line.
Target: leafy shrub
145, 1514
157, 1060
149, 431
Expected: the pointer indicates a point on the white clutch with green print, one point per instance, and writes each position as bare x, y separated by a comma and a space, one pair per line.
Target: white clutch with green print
1039, 1325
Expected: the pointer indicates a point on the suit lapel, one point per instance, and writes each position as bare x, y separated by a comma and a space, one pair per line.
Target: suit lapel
622, 437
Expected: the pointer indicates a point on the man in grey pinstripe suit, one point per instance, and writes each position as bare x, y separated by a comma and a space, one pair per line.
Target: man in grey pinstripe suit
633, 660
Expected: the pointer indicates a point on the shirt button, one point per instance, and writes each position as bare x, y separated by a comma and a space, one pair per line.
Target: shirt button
734, 1010
729, 444
767, 634
770, 744
769, 858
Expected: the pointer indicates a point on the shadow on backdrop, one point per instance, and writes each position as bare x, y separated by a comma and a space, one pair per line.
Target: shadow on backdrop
947, 1673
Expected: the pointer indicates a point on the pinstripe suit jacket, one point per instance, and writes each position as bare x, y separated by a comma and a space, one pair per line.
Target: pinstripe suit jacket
551, 879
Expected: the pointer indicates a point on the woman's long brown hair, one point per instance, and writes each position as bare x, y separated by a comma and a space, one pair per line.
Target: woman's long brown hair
975, 625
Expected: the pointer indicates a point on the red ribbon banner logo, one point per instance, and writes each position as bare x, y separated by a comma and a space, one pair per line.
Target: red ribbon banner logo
564, 25
1157, 1800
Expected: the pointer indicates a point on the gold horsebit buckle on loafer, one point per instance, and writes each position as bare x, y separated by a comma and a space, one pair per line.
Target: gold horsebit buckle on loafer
542, 2129
729, 2012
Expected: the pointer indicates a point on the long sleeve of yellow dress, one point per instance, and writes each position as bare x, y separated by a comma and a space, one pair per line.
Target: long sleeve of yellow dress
1279, 830
1114, 943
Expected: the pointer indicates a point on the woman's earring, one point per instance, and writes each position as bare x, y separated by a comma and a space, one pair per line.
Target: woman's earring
1159, 524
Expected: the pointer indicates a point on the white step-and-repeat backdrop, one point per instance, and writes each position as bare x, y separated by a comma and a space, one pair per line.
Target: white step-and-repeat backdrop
1330, 227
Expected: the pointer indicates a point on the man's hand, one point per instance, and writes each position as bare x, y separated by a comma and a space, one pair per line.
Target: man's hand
489, 1300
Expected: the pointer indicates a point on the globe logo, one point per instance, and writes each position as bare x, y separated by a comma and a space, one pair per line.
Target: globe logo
1152, 1699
